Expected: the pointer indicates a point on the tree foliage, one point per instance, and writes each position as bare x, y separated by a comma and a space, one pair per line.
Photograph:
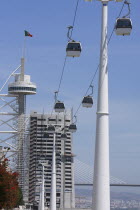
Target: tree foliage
10, 194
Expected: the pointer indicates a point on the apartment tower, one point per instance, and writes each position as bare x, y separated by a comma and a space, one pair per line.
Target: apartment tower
41, 147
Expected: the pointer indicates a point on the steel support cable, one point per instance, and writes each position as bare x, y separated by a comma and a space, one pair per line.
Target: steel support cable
98, 64
65, 59
121, 9
87, 90
86, 172
62, 75
63, 69
75, 14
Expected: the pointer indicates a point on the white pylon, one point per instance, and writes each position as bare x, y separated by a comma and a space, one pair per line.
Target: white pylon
40, 200
42, 190
53, 182
101, 186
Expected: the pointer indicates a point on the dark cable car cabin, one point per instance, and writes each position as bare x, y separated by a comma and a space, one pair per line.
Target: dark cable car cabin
87, 102
73, 49
59, 106
72, 128
123, 26
51, 129
63, 136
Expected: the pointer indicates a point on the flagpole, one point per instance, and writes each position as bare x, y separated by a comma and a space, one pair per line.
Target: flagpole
23, 59
24, 47
26, 33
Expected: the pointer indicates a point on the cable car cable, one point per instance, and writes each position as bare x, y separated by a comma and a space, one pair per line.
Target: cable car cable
87, 89
64, 64
66, 57
114, 26
75, 14
75, 114
121, 10
61, 75
69, 35
71, 27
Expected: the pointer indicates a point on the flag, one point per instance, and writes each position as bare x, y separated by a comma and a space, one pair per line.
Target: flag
28, 34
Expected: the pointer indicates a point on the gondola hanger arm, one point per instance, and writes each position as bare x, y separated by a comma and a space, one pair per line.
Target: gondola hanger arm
129, 11
69, 33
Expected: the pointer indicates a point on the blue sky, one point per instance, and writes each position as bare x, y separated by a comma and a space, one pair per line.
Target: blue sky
45, 53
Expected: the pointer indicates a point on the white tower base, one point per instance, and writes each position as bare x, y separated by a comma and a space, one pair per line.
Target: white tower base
101, 187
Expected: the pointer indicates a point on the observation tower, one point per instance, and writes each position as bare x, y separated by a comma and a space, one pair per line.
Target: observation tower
22, 84
21, 87
14, 123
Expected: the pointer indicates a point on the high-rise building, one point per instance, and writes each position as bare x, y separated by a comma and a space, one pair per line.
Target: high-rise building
1, 154
41, 148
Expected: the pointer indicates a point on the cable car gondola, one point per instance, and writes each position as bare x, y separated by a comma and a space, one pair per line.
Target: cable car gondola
123, 26
87, 101
72, 128
59, 106
73, 49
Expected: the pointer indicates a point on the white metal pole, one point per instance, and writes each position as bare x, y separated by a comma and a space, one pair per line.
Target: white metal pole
101, 188
22, 69
53, 182
21, 130
42, 190
40, 200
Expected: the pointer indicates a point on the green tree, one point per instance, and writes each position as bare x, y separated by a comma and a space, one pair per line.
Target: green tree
20, 198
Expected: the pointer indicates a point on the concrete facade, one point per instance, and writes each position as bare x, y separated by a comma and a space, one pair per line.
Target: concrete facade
41, 147
1, 153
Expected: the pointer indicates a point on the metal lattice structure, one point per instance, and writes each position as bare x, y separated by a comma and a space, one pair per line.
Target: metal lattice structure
14, 123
